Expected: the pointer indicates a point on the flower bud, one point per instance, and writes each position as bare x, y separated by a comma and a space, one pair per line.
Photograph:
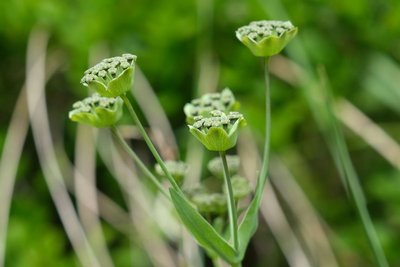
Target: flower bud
111, 77
208, 202
219, 131
266, 38
224, 101
178, 170
216, 167
97, 111
240, 187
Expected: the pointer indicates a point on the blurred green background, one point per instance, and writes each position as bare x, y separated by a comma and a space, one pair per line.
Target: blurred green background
356, 43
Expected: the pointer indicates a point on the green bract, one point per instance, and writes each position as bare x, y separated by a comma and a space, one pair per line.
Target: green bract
112, 77
224, 101
177, 169
266, 38
97, 111
219, 131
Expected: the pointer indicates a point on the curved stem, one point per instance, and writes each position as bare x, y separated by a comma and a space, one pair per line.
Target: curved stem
231, 203
265, 160
138, 161
150, 143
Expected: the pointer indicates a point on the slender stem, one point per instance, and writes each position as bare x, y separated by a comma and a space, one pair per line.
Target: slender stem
149, 143
265, 160
216, 262
138, 161
231, 203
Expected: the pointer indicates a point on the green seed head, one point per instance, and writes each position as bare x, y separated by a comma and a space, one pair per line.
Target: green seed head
178, 170
111, 77
97, 111
224, 101
266, 38
218, 131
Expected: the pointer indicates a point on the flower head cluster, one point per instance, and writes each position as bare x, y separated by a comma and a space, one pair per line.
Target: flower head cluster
210, 195
97, 111
240, 187
209, 202
178, 170
266, 38
224, 101
111, 77
218, 131
216, 167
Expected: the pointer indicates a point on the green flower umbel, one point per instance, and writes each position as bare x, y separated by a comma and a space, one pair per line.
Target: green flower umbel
97, 111
218, 132
224, 101
112, 77
266, 38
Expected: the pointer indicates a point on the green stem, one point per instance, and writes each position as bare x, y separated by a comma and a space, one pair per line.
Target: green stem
231, 203
216, 262
265, 160
149, 143
138, 161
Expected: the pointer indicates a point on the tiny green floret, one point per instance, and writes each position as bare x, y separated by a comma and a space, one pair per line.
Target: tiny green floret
97, 111
111, 77
224, 101
266, 38
218, 131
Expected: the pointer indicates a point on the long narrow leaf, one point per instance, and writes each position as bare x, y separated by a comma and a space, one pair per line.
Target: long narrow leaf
203, 232
248, 226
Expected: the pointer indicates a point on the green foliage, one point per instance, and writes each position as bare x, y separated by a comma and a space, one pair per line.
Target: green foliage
29, 238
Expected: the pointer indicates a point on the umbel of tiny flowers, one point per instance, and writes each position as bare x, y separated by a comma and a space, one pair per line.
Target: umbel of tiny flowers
97, 111
209, 196
224, 101
219, 131
178, 170
266, 38
111, 77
